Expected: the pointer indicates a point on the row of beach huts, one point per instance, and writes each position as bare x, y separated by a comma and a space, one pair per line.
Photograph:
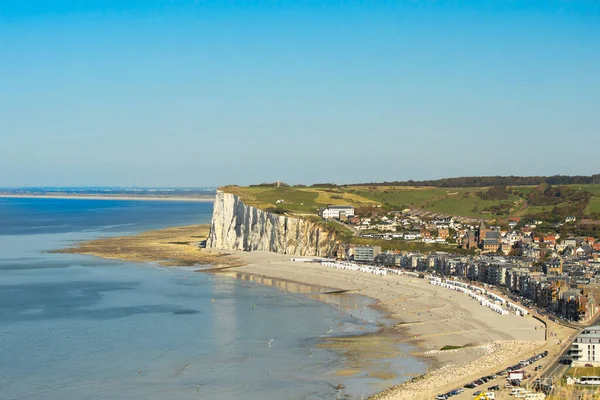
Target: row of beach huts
485, 297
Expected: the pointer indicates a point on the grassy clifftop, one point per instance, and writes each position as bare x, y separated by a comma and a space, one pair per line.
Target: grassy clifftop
480, 202
298, 200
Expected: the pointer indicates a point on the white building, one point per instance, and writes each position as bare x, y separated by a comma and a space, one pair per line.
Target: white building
412, 235
583, 350
334, 211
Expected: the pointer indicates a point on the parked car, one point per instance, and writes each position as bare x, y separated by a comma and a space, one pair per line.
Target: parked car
477, 393
495, 387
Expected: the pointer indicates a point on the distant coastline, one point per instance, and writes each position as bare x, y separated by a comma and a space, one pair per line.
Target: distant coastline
204, 198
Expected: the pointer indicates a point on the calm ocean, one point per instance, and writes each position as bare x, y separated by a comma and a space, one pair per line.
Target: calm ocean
77, 327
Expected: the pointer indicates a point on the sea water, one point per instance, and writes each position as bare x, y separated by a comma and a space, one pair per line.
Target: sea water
79, 327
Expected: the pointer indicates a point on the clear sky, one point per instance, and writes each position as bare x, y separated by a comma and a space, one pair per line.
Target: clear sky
204, 93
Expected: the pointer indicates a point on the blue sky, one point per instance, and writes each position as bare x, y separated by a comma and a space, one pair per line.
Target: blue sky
202, 93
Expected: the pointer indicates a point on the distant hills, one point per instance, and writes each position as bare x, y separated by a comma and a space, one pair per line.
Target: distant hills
485, 181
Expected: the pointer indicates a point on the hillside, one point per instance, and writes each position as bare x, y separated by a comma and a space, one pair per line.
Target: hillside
298, 200
490, 203
486, 181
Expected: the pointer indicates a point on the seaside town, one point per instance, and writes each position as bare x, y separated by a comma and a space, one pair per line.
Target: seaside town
509, 268
558, 275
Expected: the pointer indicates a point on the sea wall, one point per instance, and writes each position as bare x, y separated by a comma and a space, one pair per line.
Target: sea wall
237, 226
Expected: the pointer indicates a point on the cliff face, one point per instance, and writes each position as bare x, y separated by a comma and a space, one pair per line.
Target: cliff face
236, 226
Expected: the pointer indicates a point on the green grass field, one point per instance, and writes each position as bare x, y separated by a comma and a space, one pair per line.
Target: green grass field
594, 206
399, 197
469, 205
298, 200
594, 189
453, 201
583, 371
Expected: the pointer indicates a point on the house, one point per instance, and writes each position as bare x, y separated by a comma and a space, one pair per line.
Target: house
551, 239
337, 211
354, 220
491, 241
412, 235
583, 350
553, 267
443, 233
386, 227
366, 253
426, 235
583, 251
570, 242
491, 245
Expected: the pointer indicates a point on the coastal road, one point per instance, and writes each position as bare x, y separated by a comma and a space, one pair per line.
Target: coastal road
355, 231
556, 370
558, 343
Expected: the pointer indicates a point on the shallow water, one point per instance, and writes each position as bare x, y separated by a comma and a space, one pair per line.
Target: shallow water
77, 327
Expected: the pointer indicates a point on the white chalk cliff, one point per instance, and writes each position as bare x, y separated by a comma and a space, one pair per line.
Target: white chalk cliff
237, 226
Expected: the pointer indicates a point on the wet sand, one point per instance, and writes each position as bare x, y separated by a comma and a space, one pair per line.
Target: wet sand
178, 246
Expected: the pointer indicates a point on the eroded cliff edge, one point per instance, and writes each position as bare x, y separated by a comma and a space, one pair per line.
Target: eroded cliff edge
237, 226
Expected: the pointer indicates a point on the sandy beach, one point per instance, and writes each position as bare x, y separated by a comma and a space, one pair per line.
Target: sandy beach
426, 316
429, 317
